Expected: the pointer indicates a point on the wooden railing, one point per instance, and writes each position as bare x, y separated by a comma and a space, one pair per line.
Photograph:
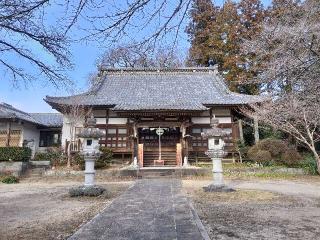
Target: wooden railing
75, 146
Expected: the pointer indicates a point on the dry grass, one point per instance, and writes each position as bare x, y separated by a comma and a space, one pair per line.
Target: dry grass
240, 196
43, 209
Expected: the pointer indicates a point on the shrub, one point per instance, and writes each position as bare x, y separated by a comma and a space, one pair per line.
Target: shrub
276, 147
54, 155
10, 180
310, 164
291, 158
17, 154
105, 158
252, 151
47, 156
263, 157
78, 160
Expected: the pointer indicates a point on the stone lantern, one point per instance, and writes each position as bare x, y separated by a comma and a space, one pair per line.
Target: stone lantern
216, 152
90, 152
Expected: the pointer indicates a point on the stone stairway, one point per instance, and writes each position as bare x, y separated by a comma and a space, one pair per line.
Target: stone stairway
35, 172
149, 157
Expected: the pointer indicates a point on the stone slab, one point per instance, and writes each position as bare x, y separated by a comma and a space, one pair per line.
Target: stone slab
151, 209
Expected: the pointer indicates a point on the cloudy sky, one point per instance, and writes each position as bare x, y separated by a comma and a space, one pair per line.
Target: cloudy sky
29, 98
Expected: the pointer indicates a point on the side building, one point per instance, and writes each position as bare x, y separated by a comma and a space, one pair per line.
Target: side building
35, 130
130, 105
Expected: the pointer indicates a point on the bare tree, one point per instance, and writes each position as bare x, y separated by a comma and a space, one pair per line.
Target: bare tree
39, 32
289, 51
76, 115
140, 57
136, 57
24, 33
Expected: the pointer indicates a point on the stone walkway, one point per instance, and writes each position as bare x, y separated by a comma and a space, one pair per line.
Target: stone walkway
151, 209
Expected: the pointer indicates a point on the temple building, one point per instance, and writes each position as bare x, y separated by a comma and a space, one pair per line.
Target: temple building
156, 115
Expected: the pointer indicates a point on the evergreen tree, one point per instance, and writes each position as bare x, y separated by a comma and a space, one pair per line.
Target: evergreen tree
218, 38
203, 15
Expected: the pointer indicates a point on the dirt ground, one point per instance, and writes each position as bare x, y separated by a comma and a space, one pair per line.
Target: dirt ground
43, 210
260, 209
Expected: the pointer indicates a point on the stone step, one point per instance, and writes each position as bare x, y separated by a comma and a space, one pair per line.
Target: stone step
156, 173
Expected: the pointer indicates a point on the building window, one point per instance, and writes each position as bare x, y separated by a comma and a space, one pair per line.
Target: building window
50, 139
117, 137
197, 140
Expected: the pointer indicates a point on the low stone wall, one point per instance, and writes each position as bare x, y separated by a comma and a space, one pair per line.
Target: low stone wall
13, 168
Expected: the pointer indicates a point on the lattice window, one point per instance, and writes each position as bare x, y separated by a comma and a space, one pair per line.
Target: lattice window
197, 140
117, 137
15, 136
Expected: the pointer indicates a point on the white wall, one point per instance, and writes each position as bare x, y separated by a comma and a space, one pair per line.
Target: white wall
117, 120
201, 120
66, 128
31, 133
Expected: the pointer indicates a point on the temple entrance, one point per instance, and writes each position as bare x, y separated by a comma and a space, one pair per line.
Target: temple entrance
155, 150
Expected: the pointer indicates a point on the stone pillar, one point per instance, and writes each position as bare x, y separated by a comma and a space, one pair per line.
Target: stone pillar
217, 172
89, 173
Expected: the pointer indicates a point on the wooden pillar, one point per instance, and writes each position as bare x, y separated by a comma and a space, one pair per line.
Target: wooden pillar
256, 130
179, 155
140, 155
240, 130
8, 134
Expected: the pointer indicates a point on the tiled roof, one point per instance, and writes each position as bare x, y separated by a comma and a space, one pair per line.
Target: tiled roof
45, 119
48, 119
151, 89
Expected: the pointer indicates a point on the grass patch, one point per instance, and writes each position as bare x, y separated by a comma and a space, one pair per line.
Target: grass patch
239, 196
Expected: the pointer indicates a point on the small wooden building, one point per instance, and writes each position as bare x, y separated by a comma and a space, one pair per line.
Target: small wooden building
132, 104
38, 131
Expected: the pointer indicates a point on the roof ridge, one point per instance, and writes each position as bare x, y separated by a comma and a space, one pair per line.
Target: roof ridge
44, 113
160, 70
12, 108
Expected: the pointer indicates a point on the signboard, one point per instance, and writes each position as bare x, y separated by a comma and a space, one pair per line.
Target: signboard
160, 131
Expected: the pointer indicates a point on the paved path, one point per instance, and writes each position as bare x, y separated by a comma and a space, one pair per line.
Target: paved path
151, 209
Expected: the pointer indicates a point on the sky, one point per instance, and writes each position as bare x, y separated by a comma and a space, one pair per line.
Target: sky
29, 98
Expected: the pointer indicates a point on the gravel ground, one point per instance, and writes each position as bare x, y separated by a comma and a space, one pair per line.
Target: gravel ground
43, 210
259, 209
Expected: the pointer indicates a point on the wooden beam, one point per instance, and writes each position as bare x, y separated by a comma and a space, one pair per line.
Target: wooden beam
240, 125
8, 134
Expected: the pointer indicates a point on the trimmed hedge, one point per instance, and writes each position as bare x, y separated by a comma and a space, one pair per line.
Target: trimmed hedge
16, 154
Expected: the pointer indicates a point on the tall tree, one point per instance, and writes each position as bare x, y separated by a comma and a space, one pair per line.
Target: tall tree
288, 48
217, 33
203, 15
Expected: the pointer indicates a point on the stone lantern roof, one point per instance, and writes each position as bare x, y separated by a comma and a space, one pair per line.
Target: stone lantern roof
215, 131
91, 131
